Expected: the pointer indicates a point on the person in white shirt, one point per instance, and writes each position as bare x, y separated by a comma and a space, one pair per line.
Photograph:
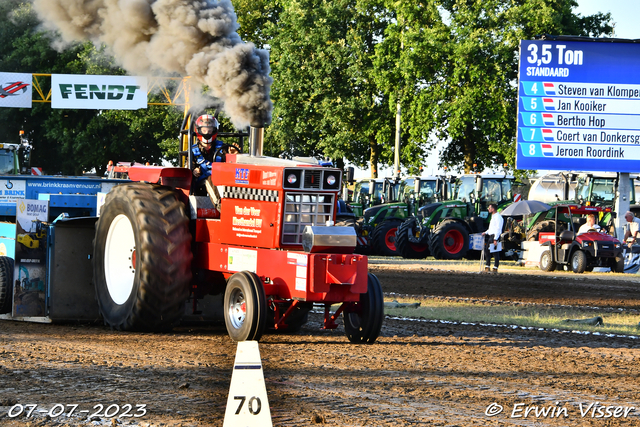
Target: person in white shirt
632, 229
493, 232
589, 225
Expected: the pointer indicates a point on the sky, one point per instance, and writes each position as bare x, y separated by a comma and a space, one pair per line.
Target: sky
624, 14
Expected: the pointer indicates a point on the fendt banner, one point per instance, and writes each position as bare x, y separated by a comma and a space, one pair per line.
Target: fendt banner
92, 92
579, 106
15, 90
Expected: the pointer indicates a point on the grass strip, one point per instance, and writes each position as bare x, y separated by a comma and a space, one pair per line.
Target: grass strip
621, 323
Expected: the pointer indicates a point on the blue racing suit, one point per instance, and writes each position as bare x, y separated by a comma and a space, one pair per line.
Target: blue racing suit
203, 159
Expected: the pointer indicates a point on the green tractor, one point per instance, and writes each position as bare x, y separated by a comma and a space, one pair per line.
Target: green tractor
383, 204
443, 228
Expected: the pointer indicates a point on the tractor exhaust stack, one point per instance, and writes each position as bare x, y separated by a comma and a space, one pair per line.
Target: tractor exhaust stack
256, 141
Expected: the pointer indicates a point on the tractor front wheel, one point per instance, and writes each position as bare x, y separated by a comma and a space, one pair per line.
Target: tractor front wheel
6, 284
405, 247
618, 264
363, 320
245, 307
383, 238
142, 258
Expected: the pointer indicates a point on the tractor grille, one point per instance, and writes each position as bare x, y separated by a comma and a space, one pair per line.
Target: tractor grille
312, 179
302, 209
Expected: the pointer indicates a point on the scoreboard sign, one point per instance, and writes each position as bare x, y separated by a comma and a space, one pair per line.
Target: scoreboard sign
579, 106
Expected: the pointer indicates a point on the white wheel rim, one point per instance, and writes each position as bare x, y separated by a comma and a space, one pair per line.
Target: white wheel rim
119, 259
237, 309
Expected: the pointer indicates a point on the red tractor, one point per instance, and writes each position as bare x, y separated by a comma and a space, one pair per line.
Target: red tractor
263, 237
579, 251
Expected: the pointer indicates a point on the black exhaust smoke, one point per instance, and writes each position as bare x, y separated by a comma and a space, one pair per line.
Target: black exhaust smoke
187, 37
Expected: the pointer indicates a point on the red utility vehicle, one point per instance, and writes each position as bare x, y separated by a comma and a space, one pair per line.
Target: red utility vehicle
579, 252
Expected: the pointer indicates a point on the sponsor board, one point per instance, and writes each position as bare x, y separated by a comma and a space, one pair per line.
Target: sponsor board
15, 90
91, 92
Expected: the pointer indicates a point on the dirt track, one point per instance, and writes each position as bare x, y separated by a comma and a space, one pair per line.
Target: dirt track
417, 373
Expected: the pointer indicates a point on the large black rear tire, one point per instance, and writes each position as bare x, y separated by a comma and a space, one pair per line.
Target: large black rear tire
6, 284
245, 307
142, 258
541, 227
383, 238
405, 247
363, 321
449, 241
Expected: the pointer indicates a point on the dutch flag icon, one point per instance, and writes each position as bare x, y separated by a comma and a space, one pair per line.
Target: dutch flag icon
547, 150
547, 135
549, 89
548, 119
548, 104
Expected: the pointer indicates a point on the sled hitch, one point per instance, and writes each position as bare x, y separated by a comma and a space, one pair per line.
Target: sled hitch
330, 319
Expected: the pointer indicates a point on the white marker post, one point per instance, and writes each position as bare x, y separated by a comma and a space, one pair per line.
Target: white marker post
247, 404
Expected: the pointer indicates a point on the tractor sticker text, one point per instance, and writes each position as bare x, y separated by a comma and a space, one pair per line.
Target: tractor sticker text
242, 259
242, 176
251, 225
269, 178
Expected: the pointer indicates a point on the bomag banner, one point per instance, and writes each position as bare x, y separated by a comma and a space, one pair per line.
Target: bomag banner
29, 293
90, 92
15, 90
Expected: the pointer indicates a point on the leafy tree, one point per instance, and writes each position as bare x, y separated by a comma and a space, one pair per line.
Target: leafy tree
325, 100
457, 67
253, 17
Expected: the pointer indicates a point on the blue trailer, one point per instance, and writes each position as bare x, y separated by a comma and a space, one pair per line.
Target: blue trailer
74, 196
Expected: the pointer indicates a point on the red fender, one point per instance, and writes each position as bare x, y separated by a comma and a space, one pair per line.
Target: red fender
169, 176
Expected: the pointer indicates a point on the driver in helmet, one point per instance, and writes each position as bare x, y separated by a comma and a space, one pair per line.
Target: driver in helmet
206, 130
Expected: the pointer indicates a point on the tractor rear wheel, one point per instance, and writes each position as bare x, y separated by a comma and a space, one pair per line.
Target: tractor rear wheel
546, 261
449, 241
405, 247
142, 258
245, 307
383, 238
578, 262
6, 284
363, 320
541, 227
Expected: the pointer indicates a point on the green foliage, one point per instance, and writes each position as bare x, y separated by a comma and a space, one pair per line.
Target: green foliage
341, 68
456, 62
325, 100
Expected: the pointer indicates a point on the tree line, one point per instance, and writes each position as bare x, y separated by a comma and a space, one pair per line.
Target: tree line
341, 69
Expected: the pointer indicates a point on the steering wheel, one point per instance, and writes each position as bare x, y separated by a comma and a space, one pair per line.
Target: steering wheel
222, 151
